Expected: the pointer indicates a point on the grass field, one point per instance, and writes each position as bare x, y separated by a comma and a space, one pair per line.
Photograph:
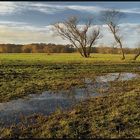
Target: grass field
114, 116
62, 57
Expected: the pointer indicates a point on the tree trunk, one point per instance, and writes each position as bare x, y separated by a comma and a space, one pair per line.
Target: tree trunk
80, 52
123, 56
89, 51
118, 40
84, 52
136, 56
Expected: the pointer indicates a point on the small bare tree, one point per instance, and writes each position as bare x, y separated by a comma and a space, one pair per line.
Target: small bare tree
112, 18
80, 38
138, 53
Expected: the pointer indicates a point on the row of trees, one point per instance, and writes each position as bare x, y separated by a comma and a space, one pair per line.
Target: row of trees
36, 48
53, 48
80, 37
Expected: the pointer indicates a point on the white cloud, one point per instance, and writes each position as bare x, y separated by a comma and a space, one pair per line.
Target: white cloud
8, 7
28, 34
53, 8
13, 7
86, 8
13, 32
12, 23
132, 10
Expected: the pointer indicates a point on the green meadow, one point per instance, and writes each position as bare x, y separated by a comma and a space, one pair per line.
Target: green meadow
37, 58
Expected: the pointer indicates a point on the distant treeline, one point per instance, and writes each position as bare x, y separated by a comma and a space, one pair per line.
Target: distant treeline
53, 48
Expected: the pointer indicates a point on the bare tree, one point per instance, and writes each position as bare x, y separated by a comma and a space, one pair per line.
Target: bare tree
138, 53
112, 18
80, 38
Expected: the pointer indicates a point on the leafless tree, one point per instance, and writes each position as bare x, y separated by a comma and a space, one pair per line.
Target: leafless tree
138, 53
80, 38
112, 18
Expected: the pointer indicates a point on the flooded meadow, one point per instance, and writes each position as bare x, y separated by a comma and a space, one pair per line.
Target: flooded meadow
49, 101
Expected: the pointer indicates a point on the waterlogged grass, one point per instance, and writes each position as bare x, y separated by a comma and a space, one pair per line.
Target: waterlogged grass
23, 74
113, 116
18, 81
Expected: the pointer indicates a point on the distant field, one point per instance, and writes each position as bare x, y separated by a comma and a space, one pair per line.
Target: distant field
63, 57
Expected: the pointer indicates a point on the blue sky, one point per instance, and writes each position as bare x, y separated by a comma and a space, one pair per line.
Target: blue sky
31, 22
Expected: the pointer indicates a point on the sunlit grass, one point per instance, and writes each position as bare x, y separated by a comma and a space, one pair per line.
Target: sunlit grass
64, 57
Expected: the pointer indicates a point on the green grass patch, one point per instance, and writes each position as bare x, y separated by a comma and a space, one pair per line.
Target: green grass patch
36, 58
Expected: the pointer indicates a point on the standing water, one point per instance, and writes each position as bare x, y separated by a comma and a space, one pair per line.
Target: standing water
48, 102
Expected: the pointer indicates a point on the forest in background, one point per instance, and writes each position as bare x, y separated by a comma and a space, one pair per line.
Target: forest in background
53, 48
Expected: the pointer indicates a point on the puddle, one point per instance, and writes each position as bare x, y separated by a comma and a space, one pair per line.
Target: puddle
48, 102
117, 77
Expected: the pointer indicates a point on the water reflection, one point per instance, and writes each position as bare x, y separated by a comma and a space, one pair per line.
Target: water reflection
48, 102
117, 77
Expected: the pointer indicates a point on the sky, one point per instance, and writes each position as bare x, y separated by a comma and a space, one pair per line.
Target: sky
31, 22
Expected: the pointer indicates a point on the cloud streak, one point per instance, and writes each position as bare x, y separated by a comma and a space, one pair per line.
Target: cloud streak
14, 7
8, 8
